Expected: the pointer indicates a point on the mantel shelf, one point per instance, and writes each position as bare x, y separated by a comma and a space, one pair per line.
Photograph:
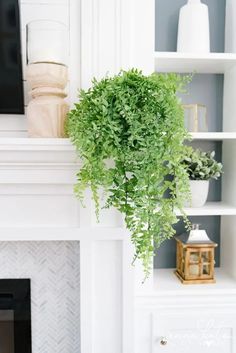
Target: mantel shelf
212, 63
37, 151
36, 144
40, 233
64, 144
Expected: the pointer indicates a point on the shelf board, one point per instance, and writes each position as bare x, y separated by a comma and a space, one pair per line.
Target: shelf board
212, 63
166, 283
63, 233
218, 208
36, 151
36, 144
213, 136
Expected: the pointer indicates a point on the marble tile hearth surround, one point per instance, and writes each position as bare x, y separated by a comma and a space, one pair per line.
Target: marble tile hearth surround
53, 268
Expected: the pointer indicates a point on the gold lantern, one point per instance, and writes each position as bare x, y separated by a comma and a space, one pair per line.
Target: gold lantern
195, 117
195, 258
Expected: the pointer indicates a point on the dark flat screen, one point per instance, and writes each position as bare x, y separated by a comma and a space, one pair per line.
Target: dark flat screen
15, 316
11, 85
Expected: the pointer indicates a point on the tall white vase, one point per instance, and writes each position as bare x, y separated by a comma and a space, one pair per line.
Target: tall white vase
193, 29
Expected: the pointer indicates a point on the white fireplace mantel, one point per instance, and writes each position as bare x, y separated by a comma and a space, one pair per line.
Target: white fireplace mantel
36, 186
37, 202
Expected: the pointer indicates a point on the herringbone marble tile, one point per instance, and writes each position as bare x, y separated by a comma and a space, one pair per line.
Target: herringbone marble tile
53, 268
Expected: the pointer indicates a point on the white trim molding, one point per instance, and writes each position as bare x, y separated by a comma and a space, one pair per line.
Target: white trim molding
114, 37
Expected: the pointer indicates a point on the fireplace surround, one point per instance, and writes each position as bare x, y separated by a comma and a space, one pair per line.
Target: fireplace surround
54, 271
15, 316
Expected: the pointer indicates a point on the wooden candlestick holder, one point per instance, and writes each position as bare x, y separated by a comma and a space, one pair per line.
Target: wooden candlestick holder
47, 110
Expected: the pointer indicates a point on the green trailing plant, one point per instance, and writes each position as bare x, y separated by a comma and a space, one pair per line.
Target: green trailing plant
202, 165
129, 132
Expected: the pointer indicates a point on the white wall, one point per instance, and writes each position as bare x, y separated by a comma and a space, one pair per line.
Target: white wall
116, 34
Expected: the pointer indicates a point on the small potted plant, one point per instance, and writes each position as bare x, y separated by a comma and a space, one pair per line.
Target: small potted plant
201, 167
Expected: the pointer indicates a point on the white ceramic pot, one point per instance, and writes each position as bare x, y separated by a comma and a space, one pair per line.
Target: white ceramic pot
193, 29
199, 192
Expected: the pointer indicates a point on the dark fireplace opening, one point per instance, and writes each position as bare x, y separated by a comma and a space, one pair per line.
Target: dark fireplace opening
15, 316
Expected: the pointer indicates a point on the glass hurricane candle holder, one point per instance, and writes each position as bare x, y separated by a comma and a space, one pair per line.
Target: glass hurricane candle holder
47, 42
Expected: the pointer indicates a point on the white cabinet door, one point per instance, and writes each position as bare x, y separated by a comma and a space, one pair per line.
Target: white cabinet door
143, 331
199, 332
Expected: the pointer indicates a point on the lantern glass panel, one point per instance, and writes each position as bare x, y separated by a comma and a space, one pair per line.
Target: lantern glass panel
206, 256
183, 259
206, 270
182, 266
194, 257
194, 270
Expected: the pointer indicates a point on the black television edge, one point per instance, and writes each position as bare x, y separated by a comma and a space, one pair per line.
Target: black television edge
11, 80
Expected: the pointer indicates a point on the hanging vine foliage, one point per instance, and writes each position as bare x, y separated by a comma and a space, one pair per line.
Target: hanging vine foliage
137, 122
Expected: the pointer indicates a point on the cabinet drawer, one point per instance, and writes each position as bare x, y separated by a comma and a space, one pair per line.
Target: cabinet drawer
193, 333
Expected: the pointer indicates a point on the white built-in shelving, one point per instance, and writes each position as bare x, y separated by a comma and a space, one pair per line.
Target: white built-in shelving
212, 63
165, 283
213, 136
218, 208
176, 317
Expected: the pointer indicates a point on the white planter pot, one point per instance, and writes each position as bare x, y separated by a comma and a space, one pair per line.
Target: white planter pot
193, 29
199, 192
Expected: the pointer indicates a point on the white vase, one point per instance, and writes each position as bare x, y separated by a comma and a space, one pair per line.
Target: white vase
199, 192
193, 29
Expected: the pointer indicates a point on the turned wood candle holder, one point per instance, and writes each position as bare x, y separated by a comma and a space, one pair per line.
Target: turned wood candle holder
47, 110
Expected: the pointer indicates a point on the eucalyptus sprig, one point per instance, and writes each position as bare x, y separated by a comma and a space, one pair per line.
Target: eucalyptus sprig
137, 122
